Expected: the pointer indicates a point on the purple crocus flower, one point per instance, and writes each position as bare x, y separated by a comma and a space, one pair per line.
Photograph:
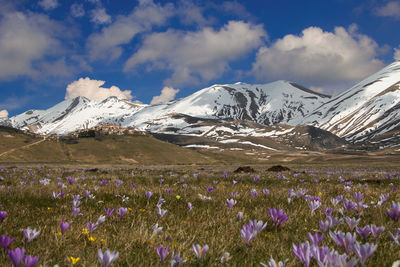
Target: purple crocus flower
162, 252
190, 206
104, 182
30, 261
70, 180
336, 259
376, 231
394, 213
148, 195
274, 263
395, 237
176, 259
364, 252
314, 205
118, 183
321, 254
382, 199
230, 203
302, 252
91, 227
247, 233
316, 238
30, 234
352, 222
199, 250
358, 196
64, 227
349, 205
75, 211
278, 217
254, 192
6, 241
265, 191
108, 212
337, 200
107, 258
161, 212
210, 189
16, 256
328, 211
122, 211
346, 241
364, 232
3, 215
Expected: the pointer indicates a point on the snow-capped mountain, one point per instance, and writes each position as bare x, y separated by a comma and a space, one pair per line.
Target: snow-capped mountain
268, 104
75, 114
369, 109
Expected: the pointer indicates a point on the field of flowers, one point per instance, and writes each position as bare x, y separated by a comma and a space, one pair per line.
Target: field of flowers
199, 217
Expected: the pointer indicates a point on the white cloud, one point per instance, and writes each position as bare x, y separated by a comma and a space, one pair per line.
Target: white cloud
167, 94
100, 16
203, 54
107, 44
25, 39
397, 54
3, 113
191, 13
77, 10
48, 4
319, 58
92, 89
391, 9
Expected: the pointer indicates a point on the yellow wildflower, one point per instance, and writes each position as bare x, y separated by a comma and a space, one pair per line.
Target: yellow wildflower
48, 208
320, 194
178, 197
103, 240
59, 233
74, 260
142, 210
85, 231
92, 239
129, 208
267, 236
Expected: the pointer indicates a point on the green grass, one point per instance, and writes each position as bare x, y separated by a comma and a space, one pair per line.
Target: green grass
210, 222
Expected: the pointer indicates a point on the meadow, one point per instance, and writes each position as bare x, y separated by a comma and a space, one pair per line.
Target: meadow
309, 216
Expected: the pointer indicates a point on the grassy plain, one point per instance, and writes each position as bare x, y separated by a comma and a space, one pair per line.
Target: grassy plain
29, 203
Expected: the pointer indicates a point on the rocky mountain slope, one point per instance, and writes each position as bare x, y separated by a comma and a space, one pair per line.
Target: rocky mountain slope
364, 112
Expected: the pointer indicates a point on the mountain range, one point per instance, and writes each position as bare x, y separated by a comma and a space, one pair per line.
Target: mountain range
278, 115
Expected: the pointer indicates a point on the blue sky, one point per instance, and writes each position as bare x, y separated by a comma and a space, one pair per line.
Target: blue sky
155, 51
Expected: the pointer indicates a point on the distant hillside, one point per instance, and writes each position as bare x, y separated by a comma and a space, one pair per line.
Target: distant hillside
19, 147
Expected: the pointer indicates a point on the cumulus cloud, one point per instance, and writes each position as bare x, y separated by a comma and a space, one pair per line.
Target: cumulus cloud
167, 94
3, 113
92, 89
24, 39
390, 9
48, 4
198, 55
100, 16
107, 44
318, 58
77, 10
